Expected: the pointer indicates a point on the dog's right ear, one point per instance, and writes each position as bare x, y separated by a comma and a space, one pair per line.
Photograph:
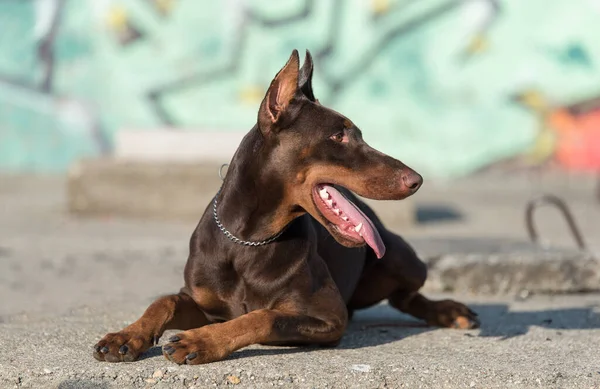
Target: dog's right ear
305, 78
275, 107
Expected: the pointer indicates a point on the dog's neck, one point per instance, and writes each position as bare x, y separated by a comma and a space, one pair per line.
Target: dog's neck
251, 204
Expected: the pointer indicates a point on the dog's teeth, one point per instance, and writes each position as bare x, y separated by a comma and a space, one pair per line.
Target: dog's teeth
358, 227
336, 211
323, 193
345, 217
329, 202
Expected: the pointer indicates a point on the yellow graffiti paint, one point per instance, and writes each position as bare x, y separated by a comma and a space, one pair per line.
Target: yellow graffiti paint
251, 94
164, 6
380, 6
117, 18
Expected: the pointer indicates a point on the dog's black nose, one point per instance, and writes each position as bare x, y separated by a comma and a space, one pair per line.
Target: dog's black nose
412, 181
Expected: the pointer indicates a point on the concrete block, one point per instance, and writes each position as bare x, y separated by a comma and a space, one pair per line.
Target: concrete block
166, 190
169, 190
500, 273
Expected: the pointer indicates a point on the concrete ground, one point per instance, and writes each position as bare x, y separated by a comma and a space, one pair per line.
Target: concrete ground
65, 282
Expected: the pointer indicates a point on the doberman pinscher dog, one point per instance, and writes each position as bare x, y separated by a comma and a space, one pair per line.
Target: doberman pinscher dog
286, 252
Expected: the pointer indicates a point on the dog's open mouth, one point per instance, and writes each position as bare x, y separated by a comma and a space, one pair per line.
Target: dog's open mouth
348, 220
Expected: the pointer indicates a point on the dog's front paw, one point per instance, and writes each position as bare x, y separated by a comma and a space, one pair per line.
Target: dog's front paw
452, 314
194, 347
121, 346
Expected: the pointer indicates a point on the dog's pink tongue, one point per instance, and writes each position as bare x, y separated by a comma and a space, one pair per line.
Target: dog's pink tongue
368, 232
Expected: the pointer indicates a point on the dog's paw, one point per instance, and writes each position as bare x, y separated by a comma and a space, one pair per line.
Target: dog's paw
452, 314
194, 347
121, 347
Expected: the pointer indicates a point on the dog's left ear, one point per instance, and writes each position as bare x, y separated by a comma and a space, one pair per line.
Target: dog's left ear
305, 78
275, 107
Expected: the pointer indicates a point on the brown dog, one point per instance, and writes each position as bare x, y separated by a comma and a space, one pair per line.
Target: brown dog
263, 267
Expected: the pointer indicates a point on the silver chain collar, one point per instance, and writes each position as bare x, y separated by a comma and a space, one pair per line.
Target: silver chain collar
228, 234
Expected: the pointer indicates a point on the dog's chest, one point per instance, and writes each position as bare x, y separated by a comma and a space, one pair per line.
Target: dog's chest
233, 299
345, 264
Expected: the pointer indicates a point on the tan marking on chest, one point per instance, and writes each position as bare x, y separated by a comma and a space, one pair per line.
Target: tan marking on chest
207, 299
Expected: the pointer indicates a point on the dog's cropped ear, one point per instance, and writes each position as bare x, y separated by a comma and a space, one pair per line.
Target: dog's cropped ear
305, 78
281, 92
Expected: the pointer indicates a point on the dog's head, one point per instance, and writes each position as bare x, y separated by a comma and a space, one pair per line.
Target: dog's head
312, 148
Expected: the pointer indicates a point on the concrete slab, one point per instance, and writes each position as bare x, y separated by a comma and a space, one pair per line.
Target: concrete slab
161, 190
514, 273
547, 342
65, 281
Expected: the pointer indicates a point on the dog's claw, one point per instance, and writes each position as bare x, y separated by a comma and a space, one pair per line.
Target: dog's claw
104, 350
174, 338
97, 348
123, 349
168, 349
191, 356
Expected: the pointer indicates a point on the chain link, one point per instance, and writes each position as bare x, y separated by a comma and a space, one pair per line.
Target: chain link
235, 239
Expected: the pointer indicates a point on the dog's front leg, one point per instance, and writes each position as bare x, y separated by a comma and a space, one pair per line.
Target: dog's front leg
216, 341
178, 311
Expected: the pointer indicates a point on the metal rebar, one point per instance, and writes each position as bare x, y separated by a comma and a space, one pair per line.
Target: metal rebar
535, 203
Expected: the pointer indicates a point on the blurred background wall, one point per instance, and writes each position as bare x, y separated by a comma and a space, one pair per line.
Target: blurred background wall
447, 86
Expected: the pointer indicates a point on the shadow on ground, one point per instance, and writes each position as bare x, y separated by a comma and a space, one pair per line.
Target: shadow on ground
434, 213
382, 324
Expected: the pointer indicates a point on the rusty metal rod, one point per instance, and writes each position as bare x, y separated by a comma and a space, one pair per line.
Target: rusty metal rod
535, 203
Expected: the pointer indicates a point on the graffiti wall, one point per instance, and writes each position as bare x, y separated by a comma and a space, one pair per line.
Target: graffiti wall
447, 86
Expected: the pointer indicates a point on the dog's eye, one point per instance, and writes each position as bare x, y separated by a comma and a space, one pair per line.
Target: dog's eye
339, 137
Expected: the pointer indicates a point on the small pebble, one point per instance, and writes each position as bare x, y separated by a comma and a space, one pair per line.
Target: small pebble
158, 373
523, 295
361, 368
233, 379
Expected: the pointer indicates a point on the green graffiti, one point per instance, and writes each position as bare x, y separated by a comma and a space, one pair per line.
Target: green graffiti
429, 82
